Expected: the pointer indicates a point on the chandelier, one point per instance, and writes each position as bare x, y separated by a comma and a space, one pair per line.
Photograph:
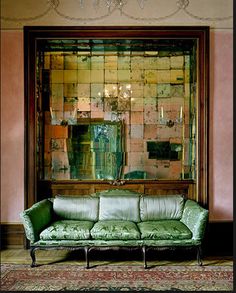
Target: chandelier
111, 4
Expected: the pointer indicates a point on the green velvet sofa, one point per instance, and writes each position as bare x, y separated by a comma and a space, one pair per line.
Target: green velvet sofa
115, 218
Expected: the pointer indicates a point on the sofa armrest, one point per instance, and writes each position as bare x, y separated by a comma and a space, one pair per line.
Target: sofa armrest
36, 218
195, 218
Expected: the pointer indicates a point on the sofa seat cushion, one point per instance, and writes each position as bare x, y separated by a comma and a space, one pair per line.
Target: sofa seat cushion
111, 230
67, 230
164, 230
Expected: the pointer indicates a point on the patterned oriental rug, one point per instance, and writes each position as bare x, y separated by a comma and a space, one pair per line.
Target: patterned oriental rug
116, 278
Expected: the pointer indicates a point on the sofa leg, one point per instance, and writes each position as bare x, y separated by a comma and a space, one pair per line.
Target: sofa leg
144, 257
86, 251
199, 255
32, 254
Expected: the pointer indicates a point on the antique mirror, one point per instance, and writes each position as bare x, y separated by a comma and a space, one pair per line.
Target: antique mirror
116, 105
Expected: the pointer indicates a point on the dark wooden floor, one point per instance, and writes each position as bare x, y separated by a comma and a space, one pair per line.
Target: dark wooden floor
111, 257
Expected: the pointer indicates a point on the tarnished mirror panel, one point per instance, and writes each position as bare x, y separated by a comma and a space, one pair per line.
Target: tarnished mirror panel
117, 109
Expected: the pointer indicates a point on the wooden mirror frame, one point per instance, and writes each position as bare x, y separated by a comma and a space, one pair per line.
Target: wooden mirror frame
195, 189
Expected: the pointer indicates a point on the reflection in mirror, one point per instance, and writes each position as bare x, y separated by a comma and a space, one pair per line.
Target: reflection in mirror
117, 109
95, 151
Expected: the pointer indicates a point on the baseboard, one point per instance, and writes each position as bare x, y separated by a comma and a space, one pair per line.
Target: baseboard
12, 236
219, 239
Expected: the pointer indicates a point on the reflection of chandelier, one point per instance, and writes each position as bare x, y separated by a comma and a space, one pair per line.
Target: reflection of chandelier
122, 91
112, 3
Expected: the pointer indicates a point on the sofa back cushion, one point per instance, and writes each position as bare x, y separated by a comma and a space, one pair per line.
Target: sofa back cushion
119, 205
76, 208
154, 208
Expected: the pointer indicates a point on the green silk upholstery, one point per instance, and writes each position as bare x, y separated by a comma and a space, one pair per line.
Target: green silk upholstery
164, 230
111, 230
84, 208
154, 208
67, 230
115, 218
118, 207
36, 218
195, 218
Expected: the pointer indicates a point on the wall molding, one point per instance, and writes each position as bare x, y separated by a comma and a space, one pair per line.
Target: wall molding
21, 29
218, 239
59, 8
12, 236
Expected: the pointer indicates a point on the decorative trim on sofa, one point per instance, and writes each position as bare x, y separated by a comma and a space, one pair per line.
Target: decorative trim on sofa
88, 248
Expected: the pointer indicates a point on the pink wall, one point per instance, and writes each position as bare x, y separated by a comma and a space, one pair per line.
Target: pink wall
221, 126
12, 126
